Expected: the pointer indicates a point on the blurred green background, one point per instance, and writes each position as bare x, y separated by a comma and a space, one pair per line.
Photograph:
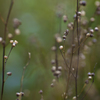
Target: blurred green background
40, 22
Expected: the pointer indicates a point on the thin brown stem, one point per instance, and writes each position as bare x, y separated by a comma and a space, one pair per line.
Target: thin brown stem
78, 51
68, 79
3, 62
21, 85
80, 44
66, 63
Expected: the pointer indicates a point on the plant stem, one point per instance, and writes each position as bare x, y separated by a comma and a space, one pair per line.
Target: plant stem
68, 79
78, 52
3, 62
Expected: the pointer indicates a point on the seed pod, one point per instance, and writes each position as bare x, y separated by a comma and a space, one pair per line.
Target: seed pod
79, 13
57, 73
89, 74
14, 44
1, 39
65, 18
96, 29
87, 82
67, 31
61, 47
17, 94
74, 98
83, 3
17, 31
5, 57
60, 68
52, 85
22, 93
41, 92
16, 41
92, 74
64, 37
88, 34
11, 41
92, 19
9, 73
91, 35
82, 13
53, 68
53, 48
89, 77
16, 23
53, 61
10, 35
91, 31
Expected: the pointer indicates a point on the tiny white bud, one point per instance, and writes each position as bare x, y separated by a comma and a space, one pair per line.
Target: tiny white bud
61, 47
90, 77
88, 34
14, 44
96, 29
29, 54
10, 35
59, 39
17, 31
16, 41
5, 57
74, 98
9, 73
11, 41
82, 13
1, 39
97, 3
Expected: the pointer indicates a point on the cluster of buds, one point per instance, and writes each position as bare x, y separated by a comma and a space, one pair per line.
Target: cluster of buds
14, 42
20, 94
56, 71
91, 31
97, 3
65, 34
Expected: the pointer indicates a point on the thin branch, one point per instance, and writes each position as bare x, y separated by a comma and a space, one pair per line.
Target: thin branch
66, 63
3, 62
21, 85
78, 51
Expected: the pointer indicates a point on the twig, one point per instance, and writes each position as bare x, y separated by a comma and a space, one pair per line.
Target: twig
3, 62
78, 51
21, 86
68, 79
66, 63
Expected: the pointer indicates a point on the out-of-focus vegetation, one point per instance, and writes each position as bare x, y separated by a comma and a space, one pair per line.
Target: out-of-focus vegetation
40, 23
